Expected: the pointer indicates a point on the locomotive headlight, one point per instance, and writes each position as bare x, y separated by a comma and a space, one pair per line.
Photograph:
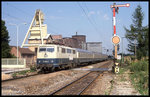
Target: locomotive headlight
45, 55
52, 61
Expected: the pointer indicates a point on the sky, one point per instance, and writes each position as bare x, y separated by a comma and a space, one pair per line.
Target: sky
93, 19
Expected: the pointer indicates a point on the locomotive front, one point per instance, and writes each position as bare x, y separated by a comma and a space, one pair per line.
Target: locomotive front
46, 57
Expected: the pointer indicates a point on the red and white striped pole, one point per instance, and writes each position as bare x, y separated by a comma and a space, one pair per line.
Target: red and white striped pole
114, 21
114, 10
116, 38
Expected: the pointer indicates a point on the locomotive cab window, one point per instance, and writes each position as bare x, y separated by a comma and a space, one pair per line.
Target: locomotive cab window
48, 49
68, 50
51, 49
42, 50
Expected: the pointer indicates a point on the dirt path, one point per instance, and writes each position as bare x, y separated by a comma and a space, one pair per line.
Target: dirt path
112, 84
122, 85
101, 86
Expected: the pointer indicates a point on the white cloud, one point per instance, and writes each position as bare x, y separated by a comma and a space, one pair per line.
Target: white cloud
54, 17
106, 17
91, 13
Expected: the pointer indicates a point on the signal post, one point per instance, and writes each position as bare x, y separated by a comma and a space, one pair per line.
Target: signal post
115, 38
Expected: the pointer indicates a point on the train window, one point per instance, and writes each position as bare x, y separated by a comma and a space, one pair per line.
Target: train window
68, 50
63, 50
42, 49
50, 49
74, 52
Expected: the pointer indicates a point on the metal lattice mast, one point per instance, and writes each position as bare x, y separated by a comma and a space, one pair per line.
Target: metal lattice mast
36, 21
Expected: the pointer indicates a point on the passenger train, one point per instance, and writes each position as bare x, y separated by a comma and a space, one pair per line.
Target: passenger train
51, 56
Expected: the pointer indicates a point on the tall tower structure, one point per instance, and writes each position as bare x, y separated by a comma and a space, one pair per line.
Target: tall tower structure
37, 33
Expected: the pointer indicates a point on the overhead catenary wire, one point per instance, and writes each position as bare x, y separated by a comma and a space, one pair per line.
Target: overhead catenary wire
28, 14
24, 12
87, 16
56, 28
91, 16
52, 30
15, 17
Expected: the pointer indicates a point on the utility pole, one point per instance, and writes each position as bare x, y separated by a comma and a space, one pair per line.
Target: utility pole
122, 50
116, 38
17, 26
135, 47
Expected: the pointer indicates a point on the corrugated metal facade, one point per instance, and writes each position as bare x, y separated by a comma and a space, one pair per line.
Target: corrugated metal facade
94, 46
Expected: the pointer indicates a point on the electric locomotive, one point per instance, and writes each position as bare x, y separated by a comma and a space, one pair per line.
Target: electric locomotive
51, 56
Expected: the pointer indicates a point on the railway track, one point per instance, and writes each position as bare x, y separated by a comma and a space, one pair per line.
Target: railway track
20, 77
78, 86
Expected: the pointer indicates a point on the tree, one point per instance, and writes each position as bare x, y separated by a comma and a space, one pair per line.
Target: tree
137, 34
5, 51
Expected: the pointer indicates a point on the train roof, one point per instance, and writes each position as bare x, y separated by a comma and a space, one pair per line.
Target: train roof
85, 51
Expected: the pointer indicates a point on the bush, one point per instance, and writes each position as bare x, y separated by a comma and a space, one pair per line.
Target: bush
140, 76
32, 68
139, 66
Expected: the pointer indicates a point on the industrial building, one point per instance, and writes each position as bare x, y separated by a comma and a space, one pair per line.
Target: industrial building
94, 46
38, 35
76, 41
24, 53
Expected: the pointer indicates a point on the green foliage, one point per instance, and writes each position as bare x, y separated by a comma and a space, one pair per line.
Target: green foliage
5, 51
140, 76
139, 66
137, 35
121, 70
32, 68
23, 72
14, 75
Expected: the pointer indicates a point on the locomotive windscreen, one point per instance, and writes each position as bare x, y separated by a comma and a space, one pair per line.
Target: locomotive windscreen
46, 49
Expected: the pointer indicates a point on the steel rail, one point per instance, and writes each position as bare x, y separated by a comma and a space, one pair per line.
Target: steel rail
53, 93
68, 84
89, 84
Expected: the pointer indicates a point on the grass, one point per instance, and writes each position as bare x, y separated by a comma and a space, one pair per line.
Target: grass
107, 92
32, 69
121, 71
140, 76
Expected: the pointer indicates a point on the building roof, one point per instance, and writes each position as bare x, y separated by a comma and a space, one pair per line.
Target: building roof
57, 36
78, 36
94, 42
24, 50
